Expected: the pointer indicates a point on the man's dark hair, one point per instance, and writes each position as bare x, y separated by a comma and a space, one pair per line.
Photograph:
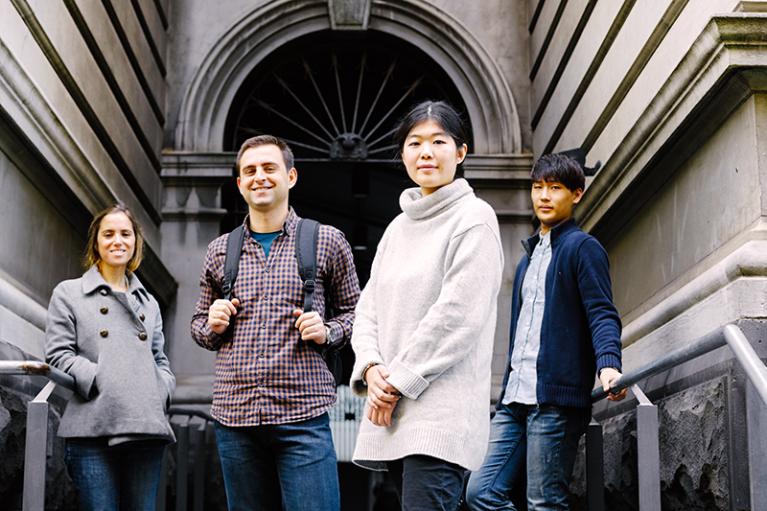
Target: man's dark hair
561, 168
260, 140
441, 113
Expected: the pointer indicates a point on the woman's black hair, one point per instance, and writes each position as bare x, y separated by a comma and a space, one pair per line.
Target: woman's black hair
561, 168
440, 112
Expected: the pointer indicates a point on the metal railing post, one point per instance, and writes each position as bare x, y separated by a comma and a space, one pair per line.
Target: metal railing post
749, 360
595, 483
648, 452
36, 450
182, 465
198, 491
756, 421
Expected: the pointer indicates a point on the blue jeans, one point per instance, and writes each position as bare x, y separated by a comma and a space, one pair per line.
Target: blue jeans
283, 466
424, 483
123, 477
537, 441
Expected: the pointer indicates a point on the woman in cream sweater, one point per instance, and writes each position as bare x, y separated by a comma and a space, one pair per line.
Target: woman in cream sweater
423, 336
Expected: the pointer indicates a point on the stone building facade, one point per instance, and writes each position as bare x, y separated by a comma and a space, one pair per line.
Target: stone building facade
144, 102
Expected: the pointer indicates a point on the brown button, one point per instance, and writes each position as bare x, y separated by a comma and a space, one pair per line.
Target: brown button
104, 309
142, 336
141, 316
104, 332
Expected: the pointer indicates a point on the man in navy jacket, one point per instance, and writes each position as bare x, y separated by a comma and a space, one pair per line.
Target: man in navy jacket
564, 330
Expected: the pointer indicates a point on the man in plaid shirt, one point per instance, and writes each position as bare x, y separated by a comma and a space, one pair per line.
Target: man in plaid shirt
272, 387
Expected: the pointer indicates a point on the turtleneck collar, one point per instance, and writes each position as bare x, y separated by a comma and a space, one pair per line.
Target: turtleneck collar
418, 207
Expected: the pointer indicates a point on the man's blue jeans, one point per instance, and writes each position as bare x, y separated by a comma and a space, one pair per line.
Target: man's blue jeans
284, 466
539, 441
124, 477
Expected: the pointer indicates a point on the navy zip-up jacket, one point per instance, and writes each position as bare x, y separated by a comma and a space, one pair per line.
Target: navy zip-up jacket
581, 328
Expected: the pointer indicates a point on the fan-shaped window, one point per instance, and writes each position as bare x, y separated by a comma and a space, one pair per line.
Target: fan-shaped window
336, 98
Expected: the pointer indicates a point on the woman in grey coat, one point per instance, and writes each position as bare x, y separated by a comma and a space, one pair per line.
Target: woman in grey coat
105, 330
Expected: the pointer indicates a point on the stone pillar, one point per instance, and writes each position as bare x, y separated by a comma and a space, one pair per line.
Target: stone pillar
191, 219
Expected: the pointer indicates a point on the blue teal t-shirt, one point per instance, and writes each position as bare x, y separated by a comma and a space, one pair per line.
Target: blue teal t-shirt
265, 239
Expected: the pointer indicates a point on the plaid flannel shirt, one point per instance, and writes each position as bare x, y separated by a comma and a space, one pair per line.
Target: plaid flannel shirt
265, 373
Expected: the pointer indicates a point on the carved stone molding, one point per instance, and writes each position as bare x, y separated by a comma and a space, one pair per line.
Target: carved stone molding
210, 94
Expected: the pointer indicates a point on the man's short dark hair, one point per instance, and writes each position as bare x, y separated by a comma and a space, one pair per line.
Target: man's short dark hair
561, 168
260, 140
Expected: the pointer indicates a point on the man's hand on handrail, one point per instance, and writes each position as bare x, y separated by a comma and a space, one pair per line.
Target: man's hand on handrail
609, 377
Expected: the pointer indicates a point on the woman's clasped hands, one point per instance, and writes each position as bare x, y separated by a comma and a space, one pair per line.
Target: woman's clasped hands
382, 397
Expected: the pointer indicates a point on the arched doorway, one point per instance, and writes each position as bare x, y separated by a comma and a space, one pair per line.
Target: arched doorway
336, 97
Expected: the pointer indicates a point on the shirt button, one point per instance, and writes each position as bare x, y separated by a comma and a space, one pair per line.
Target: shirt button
104, 292
104, 332
142, 336
104, 310
263, 325
141, 316
266, 270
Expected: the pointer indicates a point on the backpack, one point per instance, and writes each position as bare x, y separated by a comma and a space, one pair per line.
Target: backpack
307, 232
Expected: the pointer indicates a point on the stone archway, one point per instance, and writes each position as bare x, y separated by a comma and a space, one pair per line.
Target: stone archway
194, 172
489, 101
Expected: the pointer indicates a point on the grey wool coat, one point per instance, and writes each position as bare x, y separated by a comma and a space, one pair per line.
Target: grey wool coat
114, 351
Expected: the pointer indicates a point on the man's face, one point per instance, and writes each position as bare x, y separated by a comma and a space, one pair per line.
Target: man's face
264, 181
553, 202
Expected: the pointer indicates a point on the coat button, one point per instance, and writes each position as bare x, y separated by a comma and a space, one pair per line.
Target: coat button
142, 336
104, 332
104, 292
141, 316
104, 310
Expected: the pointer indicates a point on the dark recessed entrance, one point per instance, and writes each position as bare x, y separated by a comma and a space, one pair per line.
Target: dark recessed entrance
335, 97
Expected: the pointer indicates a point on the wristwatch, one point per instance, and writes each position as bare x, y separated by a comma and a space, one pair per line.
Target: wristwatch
330, 338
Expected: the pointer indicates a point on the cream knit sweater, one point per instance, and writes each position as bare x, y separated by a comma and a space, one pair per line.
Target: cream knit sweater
428, 314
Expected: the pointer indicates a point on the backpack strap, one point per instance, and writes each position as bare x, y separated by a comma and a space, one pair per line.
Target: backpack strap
307, 235
232, 260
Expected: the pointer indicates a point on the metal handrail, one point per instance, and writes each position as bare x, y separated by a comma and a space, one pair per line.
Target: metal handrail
749, 360
34, 367
730, 334
709, 342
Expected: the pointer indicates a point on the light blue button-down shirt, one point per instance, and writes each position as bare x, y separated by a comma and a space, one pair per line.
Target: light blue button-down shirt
527, 339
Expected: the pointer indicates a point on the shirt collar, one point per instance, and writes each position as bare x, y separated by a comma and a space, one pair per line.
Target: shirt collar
554, 235
92, 281
288, 227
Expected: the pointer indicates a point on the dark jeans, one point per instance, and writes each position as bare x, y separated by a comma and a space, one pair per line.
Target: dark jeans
539, 441
124, 477
284, 466
424, 483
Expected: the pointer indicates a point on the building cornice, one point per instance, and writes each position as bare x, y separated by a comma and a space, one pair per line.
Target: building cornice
719, 72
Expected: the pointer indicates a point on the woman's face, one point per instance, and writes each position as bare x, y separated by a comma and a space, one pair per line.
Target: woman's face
431, 156
116, 240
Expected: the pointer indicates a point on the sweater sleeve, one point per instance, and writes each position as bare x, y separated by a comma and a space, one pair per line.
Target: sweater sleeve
365, 331
61, 344
596, 295
446, 333
202, 334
